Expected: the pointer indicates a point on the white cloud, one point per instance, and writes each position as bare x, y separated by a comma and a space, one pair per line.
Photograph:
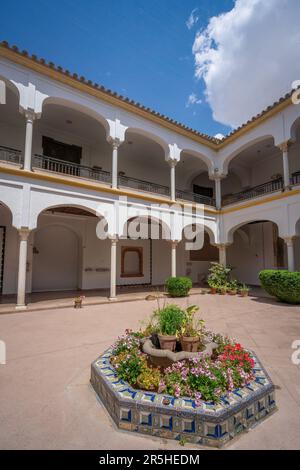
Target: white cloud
192, 99
220, 136
192, 19
248, 57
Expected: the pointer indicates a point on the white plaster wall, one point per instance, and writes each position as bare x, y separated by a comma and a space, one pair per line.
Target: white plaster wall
11, 253
251, 252
145, 279
56, 261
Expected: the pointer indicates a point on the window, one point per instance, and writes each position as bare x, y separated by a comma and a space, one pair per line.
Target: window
203, 191
131, 261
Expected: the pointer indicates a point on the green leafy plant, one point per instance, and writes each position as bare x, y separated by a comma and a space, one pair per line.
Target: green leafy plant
218, 275
178, 286
190, 327
129, 365
149, 378
244, 289
285, 285
170, 319
233, 285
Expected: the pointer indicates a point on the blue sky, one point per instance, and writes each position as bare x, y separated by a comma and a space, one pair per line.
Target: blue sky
139, 48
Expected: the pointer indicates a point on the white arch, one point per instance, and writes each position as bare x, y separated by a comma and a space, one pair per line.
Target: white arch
151, 136
208, 162
243, 147
230, 231
295, 125
15, 88
58, 101
148, 217
209, 230
101, 210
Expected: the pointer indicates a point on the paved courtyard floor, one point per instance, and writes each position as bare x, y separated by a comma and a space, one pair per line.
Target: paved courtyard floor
46, 401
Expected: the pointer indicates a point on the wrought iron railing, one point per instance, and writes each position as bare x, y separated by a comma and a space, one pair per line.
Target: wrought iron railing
256, 191
142, 185
71, 169
295, 179
198, 198
10, 155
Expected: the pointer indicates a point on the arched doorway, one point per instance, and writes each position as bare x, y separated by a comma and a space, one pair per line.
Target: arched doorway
256, 246
55, 259
12, 126
196, 262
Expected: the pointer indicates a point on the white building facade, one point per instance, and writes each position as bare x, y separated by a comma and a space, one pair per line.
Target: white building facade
70, 151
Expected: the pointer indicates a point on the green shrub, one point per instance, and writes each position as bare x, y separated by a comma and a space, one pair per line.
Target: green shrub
178, 286
285, 285
218, 276
170, 319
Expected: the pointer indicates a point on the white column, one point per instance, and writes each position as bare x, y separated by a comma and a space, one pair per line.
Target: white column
285, 161
114, 173
28, 140
172, 164
218, 193
222, 254
290, 253
113, 269
173, 258
23, 234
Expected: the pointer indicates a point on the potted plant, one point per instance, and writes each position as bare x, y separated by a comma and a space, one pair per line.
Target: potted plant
212, 285
78, 301
223, 290
170, 321
233, 287
191, 333
218, 276
244, 290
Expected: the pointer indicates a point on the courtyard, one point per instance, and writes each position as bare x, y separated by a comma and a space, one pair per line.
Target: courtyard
46, 400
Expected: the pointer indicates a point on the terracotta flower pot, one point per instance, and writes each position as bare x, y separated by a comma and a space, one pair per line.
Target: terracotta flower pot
213, 290
190, 344
232, 292
244, 293
167, 342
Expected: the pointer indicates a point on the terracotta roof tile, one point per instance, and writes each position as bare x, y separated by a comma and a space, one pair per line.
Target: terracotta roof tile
75, 76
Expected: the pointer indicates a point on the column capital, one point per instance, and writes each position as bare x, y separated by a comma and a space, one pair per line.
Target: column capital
172, 162
284, 146
24, 233
114, 239
217, 175
289, 240
115, 142
222, 246
30, 115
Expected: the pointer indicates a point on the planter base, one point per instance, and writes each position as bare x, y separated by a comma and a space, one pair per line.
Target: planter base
179, 418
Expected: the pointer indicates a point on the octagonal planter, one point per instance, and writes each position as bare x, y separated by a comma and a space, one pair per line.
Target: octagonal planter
165, 416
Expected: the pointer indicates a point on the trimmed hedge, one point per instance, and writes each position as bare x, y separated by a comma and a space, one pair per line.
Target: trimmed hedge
178, 286
285, 285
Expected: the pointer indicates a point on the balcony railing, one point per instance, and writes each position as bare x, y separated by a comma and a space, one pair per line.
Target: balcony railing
141, 185
257, 191
295, 180
10, 155
193, 197
72, 169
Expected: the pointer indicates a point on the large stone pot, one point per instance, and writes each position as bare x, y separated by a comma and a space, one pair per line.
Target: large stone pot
167, 342
190, 344
165, 357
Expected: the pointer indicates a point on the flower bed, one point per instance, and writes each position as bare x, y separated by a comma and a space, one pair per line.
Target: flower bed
201, 378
